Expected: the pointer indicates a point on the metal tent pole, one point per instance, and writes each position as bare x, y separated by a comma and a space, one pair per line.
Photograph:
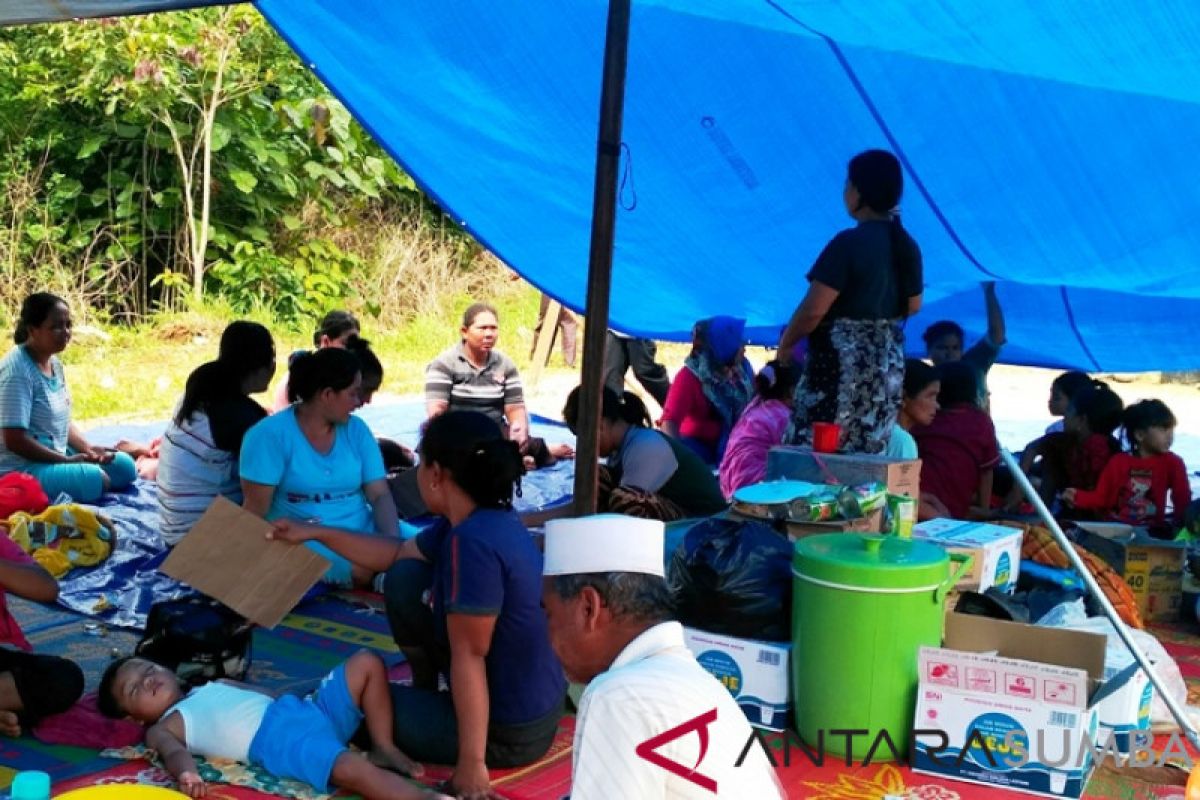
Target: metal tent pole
1122, 629
604, 206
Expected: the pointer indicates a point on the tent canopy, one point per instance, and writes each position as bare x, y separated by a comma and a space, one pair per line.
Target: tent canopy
1050, 147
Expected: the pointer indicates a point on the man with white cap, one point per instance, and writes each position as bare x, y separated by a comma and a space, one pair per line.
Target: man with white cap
652, 722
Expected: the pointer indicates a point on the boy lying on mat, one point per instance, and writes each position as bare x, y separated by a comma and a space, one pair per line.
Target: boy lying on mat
289, 736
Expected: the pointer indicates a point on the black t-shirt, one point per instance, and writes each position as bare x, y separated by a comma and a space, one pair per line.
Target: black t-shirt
858, 263
229, 418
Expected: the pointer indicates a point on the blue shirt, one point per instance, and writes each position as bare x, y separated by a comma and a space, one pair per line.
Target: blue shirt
489, 566
36, 403
312, 485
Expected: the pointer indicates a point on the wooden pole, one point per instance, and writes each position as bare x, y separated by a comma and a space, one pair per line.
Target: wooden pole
604, 210
544, 342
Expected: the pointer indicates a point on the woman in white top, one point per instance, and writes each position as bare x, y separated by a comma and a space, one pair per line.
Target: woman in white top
200, 449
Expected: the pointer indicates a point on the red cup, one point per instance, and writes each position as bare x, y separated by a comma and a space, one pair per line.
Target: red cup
827, 437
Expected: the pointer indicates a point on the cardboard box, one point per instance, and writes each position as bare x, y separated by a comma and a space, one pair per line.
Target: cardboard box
995, 551
757, 674
996, 681
800, 463
1153, 568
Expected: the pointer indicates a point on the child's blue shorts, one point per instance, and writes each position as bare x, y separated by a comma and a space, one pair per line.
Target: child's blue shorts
301, 738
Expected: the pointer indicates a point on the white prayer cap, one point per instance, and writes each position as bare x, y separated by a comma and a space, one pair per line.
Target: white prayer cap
604, 543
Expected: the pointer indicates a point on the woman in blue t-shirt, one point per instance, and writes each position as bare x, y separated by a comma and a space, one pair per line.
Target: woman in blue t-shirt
316, 461
35, 411
482, 626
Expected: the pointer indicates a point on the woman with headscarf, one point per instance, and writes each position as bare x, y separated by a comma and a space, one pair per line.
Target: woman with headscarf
866, 281
713, 388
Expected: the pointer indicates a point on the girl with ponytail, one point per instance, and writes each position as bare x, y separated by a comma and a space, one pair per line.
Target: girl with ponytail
864, 284
464, 601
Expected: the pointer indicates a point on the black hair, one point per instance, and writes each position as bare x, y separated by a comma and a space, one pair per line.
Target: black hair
328, 368
776, 381
918, 375
474, 310
34, 310
940, 330
485, 465
1072, 381
335, 325
636, 596
395, 458
627, 407
879, 180
246, 347
960, 384
369, 363
106, 700
1099, 405
1146, 414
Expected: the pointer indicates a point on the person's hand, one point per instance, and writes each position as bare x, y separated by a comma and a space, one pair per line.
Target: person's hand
84, 457
100, 455
518, 434
562, 451
470, 781
191, 784
291, 531
1068, 496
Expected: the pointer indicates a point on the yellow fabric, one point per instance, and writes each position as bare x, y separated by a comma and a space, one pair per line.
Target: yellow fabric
63, 536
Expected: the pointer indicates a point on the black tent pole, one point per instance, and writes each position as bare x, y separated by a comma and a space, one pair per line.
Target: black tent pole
600, 256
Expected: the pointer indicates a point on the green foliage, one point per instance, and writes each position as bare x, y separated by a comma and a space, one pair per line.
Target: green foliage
135, 153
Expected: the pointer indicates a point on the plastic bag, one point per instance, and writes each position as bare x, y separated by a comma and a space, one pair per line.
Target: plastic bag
1117, 657
1065, 615
734, 577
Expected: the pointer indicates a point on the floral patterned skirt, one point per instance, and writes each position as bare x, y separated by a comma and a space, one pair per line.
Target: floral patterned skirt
854, 376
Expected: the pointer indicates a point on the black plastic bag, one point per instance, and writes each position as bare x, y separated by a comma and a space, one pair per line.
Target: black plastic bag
734, 577
199, 638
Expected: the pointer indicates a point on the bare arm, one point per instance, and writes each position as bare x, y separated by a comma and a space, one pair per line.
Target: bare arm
167, 738
996, 331
30, 581
18, 441
435, 408
518, 422
383, 508
79, 443
257, 497
470, 641
983, 509
368, 550
807, 317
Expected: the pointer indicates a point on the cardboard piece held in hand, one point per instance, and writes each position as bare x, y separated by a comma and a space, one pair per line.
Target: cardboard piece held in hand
227, 556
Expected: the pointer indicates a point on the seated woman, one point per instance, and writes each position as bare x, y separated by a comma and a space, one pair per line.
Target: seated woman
648, 474
316, 460
35, 412
958, 448
710, 392
918, 408
474, 376
761, 427
198, 457
464, 600
336, 328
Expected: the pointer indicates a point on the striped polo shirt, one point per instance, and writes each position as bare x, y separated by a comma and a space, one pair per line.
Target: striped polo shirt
452, 378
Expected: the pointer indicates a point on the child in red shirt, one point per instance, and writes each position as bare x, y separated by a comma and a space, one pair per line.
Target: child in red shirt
1133, 486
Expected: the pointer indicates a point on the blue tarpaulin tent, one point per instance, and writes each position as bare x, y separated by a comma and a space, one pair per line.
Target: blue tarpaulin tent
1052, 147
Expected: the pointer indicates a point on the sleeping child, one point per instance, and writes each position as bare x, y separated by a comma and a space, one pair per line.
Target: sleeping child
300, 738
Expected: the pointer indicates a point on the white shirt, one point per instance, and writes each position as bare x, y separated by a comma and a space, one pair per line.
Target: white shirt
653, 686
220, 721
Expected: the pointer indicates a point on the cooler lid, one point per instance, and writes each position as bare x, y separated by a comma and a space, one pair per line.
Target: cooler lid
871, 561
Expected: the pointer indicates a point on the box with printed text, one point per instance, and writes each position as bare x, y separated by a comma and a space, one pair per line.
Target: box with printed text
995, 551
757, 674
1011, 705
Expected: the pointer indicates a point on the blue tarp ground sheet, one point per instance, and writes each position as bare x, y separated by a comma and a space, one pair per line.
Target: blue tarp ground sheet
1048, 146
121, 590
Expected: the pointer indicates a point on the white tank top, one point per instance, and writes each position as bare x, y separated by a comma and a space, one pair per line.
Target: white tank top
220, 720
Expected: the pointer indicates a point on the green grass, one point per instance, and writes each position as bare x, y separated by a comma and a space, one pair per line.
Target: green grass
138, 373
